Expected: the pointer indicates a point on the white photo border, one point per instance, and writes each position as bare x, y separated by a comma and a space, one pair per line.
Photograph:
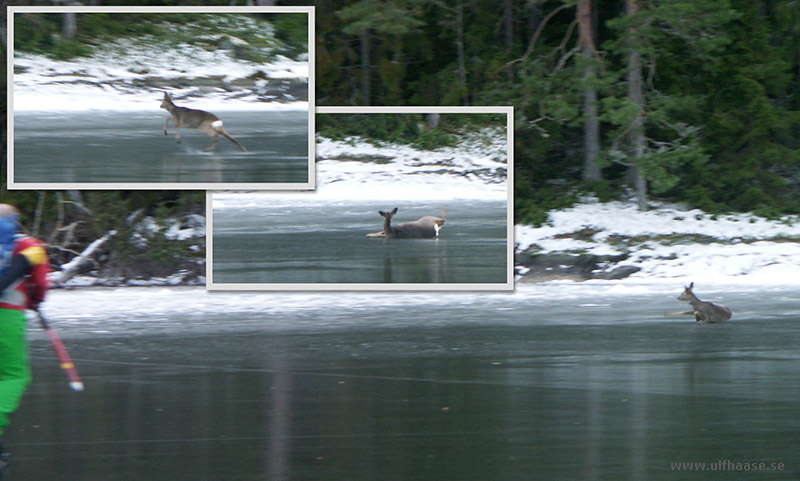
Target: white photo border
12, 185
508, 285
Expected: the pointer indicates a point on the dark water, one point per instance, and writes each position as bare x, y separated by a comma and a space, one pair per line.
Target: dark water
500, 387
130, 147
327, 243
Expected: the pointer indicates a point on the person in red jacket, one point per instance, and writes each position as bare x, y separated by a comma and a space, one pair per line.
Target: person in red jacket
23, 283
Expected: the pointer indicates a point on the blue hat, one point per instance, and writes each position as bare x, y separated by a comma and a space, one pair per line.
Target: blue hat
8, 231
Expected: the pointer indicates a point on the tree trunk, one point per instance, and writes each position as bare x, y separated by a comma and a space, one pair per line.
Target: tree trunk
432, 120
591, 125
462, 64
535, 15
70, 26
37, 218
636, 95
508, 24
366, 75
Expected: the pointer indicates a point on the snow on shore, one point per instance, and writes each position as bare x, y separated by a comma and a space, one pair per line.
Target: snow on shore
675, 245
348, 170
672, 245
112, 81
470, 170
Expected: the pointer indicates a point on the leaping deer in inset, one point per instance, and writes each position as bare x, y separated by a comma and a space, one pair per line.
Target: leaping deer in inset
703, 310
195, 119
423, 228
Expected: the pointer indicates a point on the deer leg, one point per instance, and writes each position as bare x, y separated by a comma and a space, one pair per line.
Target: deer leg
227, 136
214, 143
700, 316
165, 125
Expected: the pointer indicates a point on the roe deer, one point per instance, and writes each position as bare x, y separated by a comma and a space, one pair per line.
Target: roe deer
422, 228
702, 310
195, 119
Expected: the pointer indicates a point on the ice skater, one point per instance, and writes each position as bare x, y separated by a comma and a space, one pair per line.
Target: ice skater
23, 283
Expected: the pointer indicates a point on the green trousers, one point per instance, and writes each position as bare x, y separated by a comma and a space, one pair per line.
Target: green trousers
15, 370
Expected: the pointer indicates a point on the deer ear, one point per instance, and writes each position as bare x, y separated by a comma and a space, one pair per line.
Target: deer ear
394, 211
691, 285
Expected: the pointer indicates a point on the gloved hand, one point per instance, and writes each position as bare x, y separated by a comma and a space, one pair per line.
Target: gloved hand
34, 298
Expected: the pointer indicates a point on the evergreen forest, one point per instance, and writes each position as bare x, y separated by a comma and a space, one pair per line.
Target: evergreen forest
688, 101
691, 101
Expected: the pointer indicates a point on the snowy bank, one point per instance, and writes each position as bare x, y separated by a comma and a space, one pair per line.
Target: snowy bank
127, 76
672, 244
355, 169
164, 237
476, 168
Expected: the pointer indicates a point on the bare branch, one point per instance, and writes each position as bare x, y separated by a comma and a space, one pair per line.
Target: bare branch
536, 35
564, 41
64, 249
443, 5
77, 201
535, 124
566, 57
70, 233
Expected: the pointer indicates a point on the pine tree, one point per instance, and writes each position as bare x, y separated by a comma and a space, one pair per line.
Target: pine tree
657, 132
368, 19
591, 122
752, 121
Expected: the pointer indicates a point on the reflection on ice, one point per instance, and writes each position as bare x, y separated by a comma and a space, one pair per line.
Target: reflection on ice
549, 380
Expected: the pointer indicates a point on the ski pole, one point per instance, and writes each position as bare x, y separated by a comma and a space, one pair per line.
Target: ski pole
66, 362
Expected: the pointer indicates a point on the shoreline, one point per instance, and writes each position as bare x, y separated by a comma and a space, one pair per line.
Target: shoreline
601, 286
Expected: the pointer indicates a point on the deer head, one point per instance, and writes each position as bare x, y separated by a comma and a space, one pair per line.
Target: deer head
687, 293
166, 102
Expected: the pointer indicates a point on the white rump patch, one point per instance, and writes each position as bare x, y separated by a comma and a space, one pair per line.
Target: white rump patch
437, 227
216, 124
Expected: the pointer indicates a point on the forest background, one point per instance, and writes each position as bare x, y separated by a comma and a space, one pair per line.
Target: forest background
694, 102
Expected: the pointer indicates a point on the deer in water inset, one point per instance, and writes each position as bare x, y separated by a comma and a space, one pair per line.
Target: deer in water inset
423, 228
702, 310
195, 119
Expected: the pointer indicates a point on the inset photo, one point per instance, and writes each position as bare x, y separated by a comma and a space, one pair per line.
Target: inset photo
406, 199
160, 97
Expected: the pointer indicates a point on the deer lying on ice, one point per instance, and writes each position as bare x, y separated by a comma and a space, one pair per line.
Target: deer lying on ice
422, 228
195, 119
702, 310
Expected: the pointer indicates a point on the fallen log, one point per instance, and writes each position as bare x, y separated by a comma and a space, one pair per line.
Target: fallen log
73, 267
